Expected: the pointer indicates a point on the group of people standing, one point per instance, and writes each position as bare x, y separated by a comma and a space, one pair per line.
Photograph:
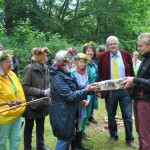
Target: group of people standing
73, 96
35, 85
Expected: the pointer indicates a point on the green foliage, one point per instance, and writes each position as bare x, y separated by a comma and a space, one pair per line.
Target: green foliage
25, 38
62, 24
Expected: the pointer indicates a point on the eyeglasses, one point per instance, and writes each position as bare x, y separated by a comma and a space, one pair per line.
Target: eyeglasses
8, 62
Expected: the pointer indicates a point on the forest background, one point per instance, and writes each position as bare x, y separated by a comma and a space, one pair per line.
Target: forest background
60, 24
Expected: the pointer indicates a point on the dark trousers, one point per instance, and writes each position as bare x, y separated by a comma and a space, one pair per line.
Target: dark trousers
123, 98
29, 123
142, 122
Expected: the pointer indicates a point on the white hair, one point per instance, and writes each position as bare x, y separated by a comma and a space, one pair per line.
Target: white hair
1, 68
112, 38
59, 57
136, 52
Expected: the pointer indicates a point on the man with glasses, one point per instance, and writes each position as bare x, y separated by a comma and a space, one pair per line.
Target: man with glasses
115, 64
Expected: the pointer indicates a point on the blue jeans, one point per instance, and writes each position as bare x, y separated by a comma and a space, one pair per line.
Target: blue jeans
62, 145
123, 98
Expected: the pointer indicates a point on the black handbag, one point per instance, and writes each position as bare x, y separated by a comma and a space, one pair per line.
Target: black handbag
41, 105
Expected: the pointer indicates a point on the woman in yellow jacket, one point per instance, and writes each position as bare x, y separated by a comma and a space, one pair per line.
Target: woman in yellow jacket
11, 92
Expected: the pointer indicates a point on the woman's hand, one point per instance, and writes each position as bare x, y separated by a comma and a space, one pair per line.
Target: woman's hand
14, 103
18, 102
128, 82
92, 87
99, 94
85, 102
47, 92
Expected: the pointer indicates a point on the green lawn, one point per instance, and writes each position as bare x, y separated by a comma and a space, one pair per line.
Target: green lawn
99, 136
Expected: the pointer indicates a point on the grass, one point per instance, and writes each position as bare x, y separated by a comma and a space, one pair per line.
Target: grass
99, 136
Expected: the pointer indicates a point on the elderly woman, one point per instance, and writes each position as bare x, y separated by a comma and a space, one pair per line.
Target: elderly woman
65, 93
136, 62
141, 93
35, 85
11, 93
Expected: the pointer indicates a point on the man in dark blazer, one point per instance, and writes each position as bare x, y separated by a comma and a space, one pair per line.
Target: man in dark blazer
113, 97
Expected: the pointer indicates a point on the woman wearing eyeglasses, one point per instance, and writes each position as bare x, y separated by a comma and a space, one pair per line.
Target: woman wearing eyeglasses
11, 94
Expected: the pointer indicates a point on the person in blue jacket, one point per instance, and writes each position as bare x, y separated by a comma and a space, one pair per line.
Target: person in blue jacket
80, 72
65, 93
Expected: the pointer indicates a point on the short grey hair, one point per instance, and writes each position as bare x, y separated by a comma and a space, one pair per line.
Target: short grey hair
112, 38
145, 37
59, 57
101, 48
1, 68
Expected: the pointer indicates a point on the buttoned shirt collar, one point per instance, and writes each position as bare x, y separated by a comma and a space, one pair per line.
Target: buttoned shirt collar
117, 54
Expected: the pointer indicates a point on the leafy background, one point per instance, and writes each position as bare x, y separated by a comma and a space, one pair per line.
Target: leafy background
60, 24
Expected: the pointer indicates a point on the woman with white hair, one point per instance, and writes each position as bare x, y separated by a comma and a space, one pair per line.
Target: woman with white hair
136, 62
65, 93
11, 94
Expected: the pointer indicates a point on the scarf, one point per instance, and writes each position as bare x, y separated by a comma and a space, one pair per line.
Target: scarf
81, 71
40, 66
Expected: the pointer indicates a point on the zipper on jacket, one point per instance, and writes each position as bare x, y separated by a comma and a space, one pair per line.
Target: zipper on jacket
141, 92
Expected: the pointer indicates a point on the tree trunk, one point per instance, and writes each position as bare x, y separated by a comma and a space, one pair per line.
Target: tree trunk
106, 20
9, 24
50, 5
75, 19
97, 31
63, 11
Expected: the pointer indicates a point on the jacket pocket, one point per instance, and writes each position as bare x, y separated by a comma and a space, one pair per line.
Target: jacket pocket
62, 121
